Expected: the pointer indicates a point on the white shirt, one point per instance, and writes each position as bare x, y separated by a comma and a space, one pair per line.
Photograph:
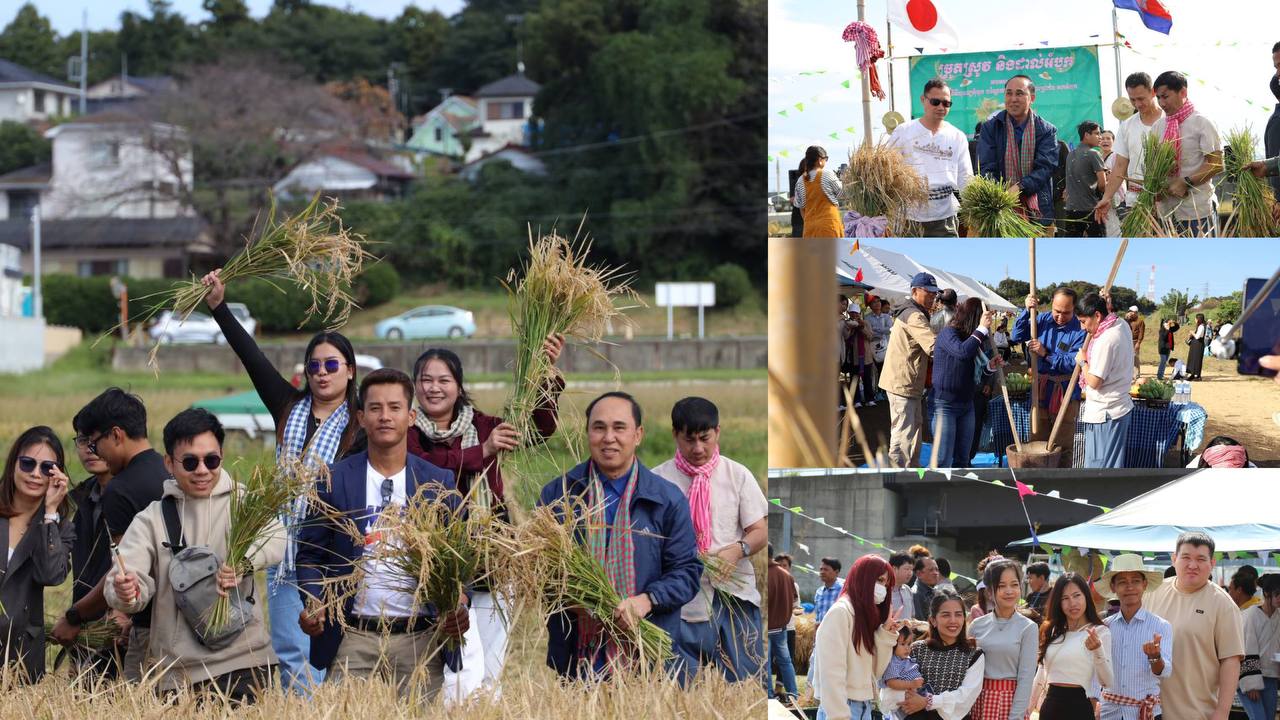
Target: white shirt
1067, 662
382, 590
904, 601
1129, 145
942, 159
1199, 138
1110, 358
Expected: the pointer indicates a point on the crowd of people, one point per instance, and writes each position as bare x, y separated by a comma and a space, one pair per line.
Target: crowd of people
1125, 644
146, 544
1095, 185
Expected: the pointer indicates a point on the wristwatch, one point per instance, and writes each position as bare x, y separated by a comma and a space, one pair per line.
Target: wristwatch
746, 548
73, 616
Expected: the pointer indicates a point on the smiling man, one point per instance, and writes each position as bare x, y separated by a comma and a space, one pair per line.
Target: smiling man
730, 522
1190, 203
1210, 642
1019, 147
1059, 337
1141, 642
640, 532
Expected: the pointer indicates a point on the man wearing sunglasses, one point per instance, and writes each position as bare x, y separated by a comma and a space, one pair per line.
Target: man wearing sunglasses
1019, 147
151, 569
112, 428
385, 630
939, 151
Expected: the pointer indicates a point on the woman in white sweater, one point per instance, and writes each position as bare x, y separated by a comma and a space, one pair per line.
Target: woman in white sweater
855, 640
1009, 645
1260, 672
1075, 652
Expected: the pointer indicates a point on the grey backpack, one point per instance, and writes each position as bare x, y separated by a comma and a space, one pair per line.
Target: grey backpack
193, 575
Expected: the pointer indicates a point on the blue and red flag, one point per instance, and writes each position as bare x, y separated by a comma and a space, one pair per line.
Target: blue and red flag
1154, 15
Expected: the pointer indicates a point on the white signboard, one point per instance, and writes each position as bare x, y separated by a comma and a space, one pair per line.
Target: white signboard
701, 295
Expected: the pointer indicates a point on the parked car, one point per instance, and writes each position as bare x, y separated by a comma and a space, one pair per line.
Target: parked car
199, 327
427, 321
779, 202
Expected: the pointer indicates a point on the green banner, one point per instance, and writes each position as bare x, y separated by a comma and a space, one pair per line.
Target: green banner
1068, 87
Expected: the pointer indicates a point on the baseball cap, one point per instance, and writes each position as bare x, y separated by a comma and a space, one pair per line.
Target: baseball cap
926, 281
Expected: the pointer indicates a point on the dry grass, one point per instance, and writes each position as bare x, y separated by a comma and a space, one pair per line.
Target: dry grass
806, 638
880, 182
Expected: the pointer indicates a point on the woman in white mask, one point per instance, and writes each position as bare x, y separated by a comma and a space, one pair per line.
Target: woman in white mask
855, 641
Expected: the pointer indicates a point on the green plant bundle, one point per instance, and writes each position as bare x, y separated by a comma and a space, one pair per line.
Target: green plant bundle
94, 635
990, 208
1160, 162
1252, 201
1155, 389
1017, 382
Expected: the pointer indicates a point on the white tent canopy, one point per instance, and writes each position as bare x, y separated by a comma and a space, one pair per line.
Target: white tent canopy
890, 273
1237, 508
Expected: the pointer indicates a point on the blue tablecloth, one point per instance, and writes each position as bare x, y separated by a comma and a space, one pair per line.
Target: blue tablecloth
1152, 432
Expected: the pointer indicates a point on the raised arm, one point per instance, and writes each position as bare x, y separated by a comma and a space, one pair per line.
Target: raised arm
274, 389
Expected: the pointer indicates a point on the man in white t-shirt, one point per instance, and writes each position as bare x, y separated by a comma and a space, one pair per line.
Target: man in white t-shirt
1190, 203
731, 522
1106, 368
939, 151
1126, 175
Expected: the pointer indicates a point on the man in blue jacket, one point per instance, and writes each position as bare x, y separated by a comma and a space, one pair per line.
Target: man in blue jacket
1059, 337
645, 540
386, 629
1018, 146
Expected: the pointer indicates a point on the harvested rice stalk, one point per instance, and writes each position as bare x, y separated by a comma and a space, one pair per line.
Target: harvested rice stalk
1160, 162
990, 208
1252, 202
311, 249
255, 505
94, 635
558, 293
880, 182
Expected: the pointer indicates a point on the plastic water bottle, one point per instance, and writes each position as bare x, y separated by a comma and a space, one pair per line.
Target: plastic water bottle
1186, 391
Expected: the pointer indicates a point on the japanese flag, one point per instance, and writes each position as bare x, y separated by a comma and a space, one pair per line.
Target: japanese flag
923, 19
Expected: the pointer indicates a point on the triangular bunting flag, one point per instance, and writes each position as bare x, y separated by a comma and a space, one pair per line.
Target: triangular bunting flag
845, 84
803, 547
783, 113
1105, 510
946, 473
857, 245
776, 501
835, 136
994, 482
920, 473
1053, 494
796, 509
1023, 490
820, 521
800, 106
973, 476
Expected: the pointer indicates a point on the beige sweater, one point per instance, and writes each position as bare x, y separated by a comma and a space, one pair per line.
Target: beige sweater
907, 358
845, 673
173, 646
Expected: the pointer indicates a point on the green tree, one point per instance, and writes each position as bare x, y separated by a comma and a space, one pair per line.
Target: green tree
29, 40
1175, 303
480, 46
1015, 291
21, 146
155, 45
227, 13
417, 39
328, 43
1229, 309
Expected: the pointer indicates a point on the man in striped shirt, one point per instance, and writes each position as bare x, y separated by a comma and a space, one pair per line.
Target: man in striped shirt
826, 595
1141, 643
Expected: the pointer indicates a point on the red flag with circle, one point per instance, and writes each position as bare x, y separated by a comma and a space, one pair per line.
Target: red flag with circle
924, 19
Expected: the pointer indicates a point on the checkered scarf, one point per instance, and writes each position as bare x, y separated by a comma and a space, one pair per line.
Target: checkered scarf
615, 551
464, 427
1019, 159
1173, 129
1146, 706
322, 449
700, 496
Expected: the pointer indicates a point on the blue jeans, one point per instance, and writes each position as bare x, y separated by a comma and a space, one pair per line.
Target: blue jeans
956, 437
858, 710
1264, 708
1104, 442
1164, 360
731, 639
292, 646
780, 658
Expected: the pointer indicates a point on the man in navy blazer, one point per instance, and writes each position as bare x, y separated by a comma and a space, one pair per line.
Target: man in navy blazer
388, 630
666, 565
1032, 171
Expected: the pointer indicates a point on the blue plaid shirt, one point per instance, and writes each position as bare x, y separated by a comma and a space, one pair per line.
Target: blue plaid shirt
824, 597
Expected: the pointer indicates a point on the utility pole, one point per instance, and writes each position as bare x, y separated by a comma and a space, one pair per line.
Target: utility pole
866, 87
37, 295
777, 174
84, 58
1115, 43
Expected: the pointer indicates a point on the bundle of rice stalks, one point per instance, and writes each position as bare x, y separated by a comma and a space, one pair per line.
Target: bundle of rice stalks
990, 208
256, 506
558, 293
94, 635
806, 638
880, 182
544, 552
1160, 162
1252, 202
310, 249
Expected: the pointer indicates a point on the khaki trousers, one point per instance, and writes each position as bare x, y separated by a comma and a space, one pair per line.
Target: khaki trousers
410, 661
906, 415
1065, 439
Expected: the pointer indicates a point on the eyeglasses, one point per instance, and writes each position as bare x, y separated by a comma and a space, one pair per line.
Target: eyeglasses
939, 101
92, 445
28, 464
387, 487
330, 366
191, 462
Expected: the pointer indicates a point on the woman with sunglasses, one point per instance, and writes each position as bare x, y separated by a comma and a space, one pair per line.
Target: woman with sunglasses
450, 432
312, 422
35, 524
939, 151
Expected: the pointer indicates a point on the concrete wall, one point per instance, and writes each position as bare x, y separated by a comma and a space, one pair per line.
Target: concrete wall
485, 356
23, 346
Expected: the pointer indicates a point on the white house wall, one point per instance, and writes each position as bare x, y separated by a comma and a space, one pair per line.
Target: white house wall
326, 173
82, 187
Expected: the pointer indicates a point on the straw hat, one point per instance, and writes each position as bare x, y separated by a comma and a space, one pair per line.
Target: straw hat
1128, 562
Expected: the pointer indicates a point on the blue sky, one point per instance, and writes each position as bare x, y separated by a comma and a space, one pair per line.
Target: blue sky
1179, 264
105, 14
1225, 43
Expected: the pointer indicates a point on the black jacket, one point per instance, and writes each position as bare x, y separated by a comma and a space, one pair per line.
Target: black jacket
41, 559
1166, 338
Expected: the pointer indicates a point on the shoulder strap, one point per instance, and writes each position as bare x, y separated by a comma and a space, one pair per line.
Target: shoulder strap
172, 524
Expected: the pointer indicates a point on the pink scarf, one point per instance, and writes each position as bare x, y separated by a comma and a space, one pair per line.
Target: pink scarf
1173, 129
1103, 326
1228, 456
700, 496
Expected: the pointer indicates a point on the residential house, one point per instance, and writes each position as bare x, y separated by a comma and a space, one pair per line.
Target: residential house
506, 107
124, 89
128, 247
345, 171
519, 157
445, 129
28, 96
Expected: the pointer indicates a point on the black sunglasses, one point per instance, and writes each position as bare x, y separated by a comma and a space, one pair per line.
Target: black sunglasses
330, 366
191, 462
939, 101
28, 464
92, 445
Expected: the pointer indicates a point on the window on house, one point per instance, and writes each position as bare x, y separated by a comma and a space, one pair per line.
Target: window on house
439, 135
505, 111
39, 102
175, 268
93, 268
21, 203
105, 153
